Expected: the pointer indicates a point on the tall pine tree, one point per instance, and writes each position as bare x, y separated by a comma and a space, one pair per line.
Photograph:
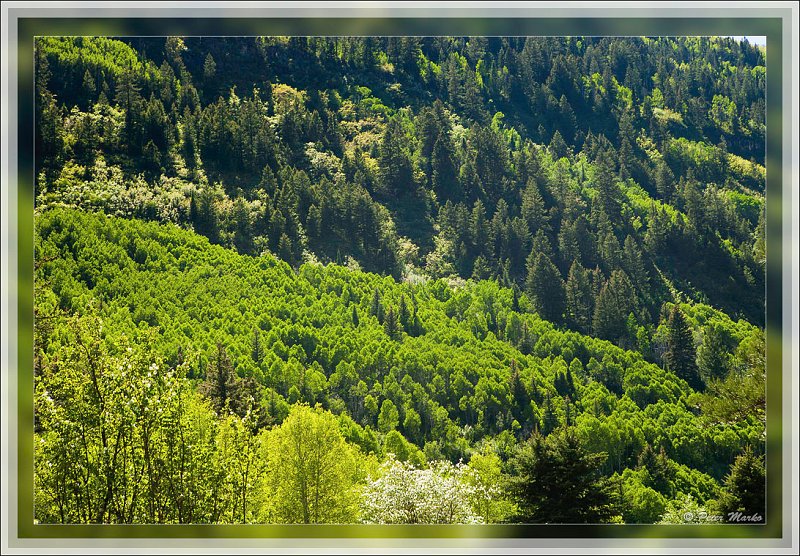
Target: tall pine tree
395, 168
680, 356
713, 355
579, 298
613, 305
391, 325
545, 287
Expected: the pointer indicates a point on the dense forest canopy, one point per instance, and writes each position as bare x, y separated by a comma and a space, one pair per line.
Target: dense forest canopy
298, 279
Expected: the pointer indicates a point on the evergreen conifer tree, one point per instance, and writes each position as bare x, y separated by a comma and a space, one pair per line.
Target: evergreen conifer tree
579, 298
613, 306
680, 355
745, 486
713, 356
558, 481
390, 325
403, 314
258, 350
546, 288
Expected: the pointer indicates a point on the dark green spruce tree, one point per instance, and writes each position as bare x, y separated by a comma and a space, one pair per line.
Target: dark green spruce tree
545, 288
222, 385
745, 486
557, 480
376, 307
713, 355
391, 325
680, 356
579, 298
395, 167
613, 305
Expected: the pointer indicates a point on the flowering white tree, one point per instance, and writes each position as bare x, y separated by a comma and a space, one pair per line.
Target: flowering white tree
440, 493
123, 438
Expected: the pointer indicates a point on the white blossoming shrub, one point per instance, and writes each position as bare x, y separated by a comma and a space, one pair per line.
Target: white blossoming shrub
440, 493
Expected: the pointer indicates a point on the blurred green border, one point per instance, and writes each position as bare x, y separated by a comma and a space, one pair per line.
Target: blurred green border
770, 27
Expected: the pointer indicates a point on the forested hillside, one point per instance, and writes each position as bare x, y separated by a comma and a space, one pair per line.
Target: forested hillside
426, 279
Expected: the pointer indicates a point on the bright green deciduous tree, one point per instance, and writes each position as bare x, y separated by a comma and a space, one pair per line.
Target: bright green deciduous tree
310, 468
389, 417
121, 437
489, 500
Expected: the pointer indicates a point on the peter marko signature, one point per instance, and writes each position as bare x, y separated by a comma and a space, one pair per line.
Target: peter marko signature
731, 517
